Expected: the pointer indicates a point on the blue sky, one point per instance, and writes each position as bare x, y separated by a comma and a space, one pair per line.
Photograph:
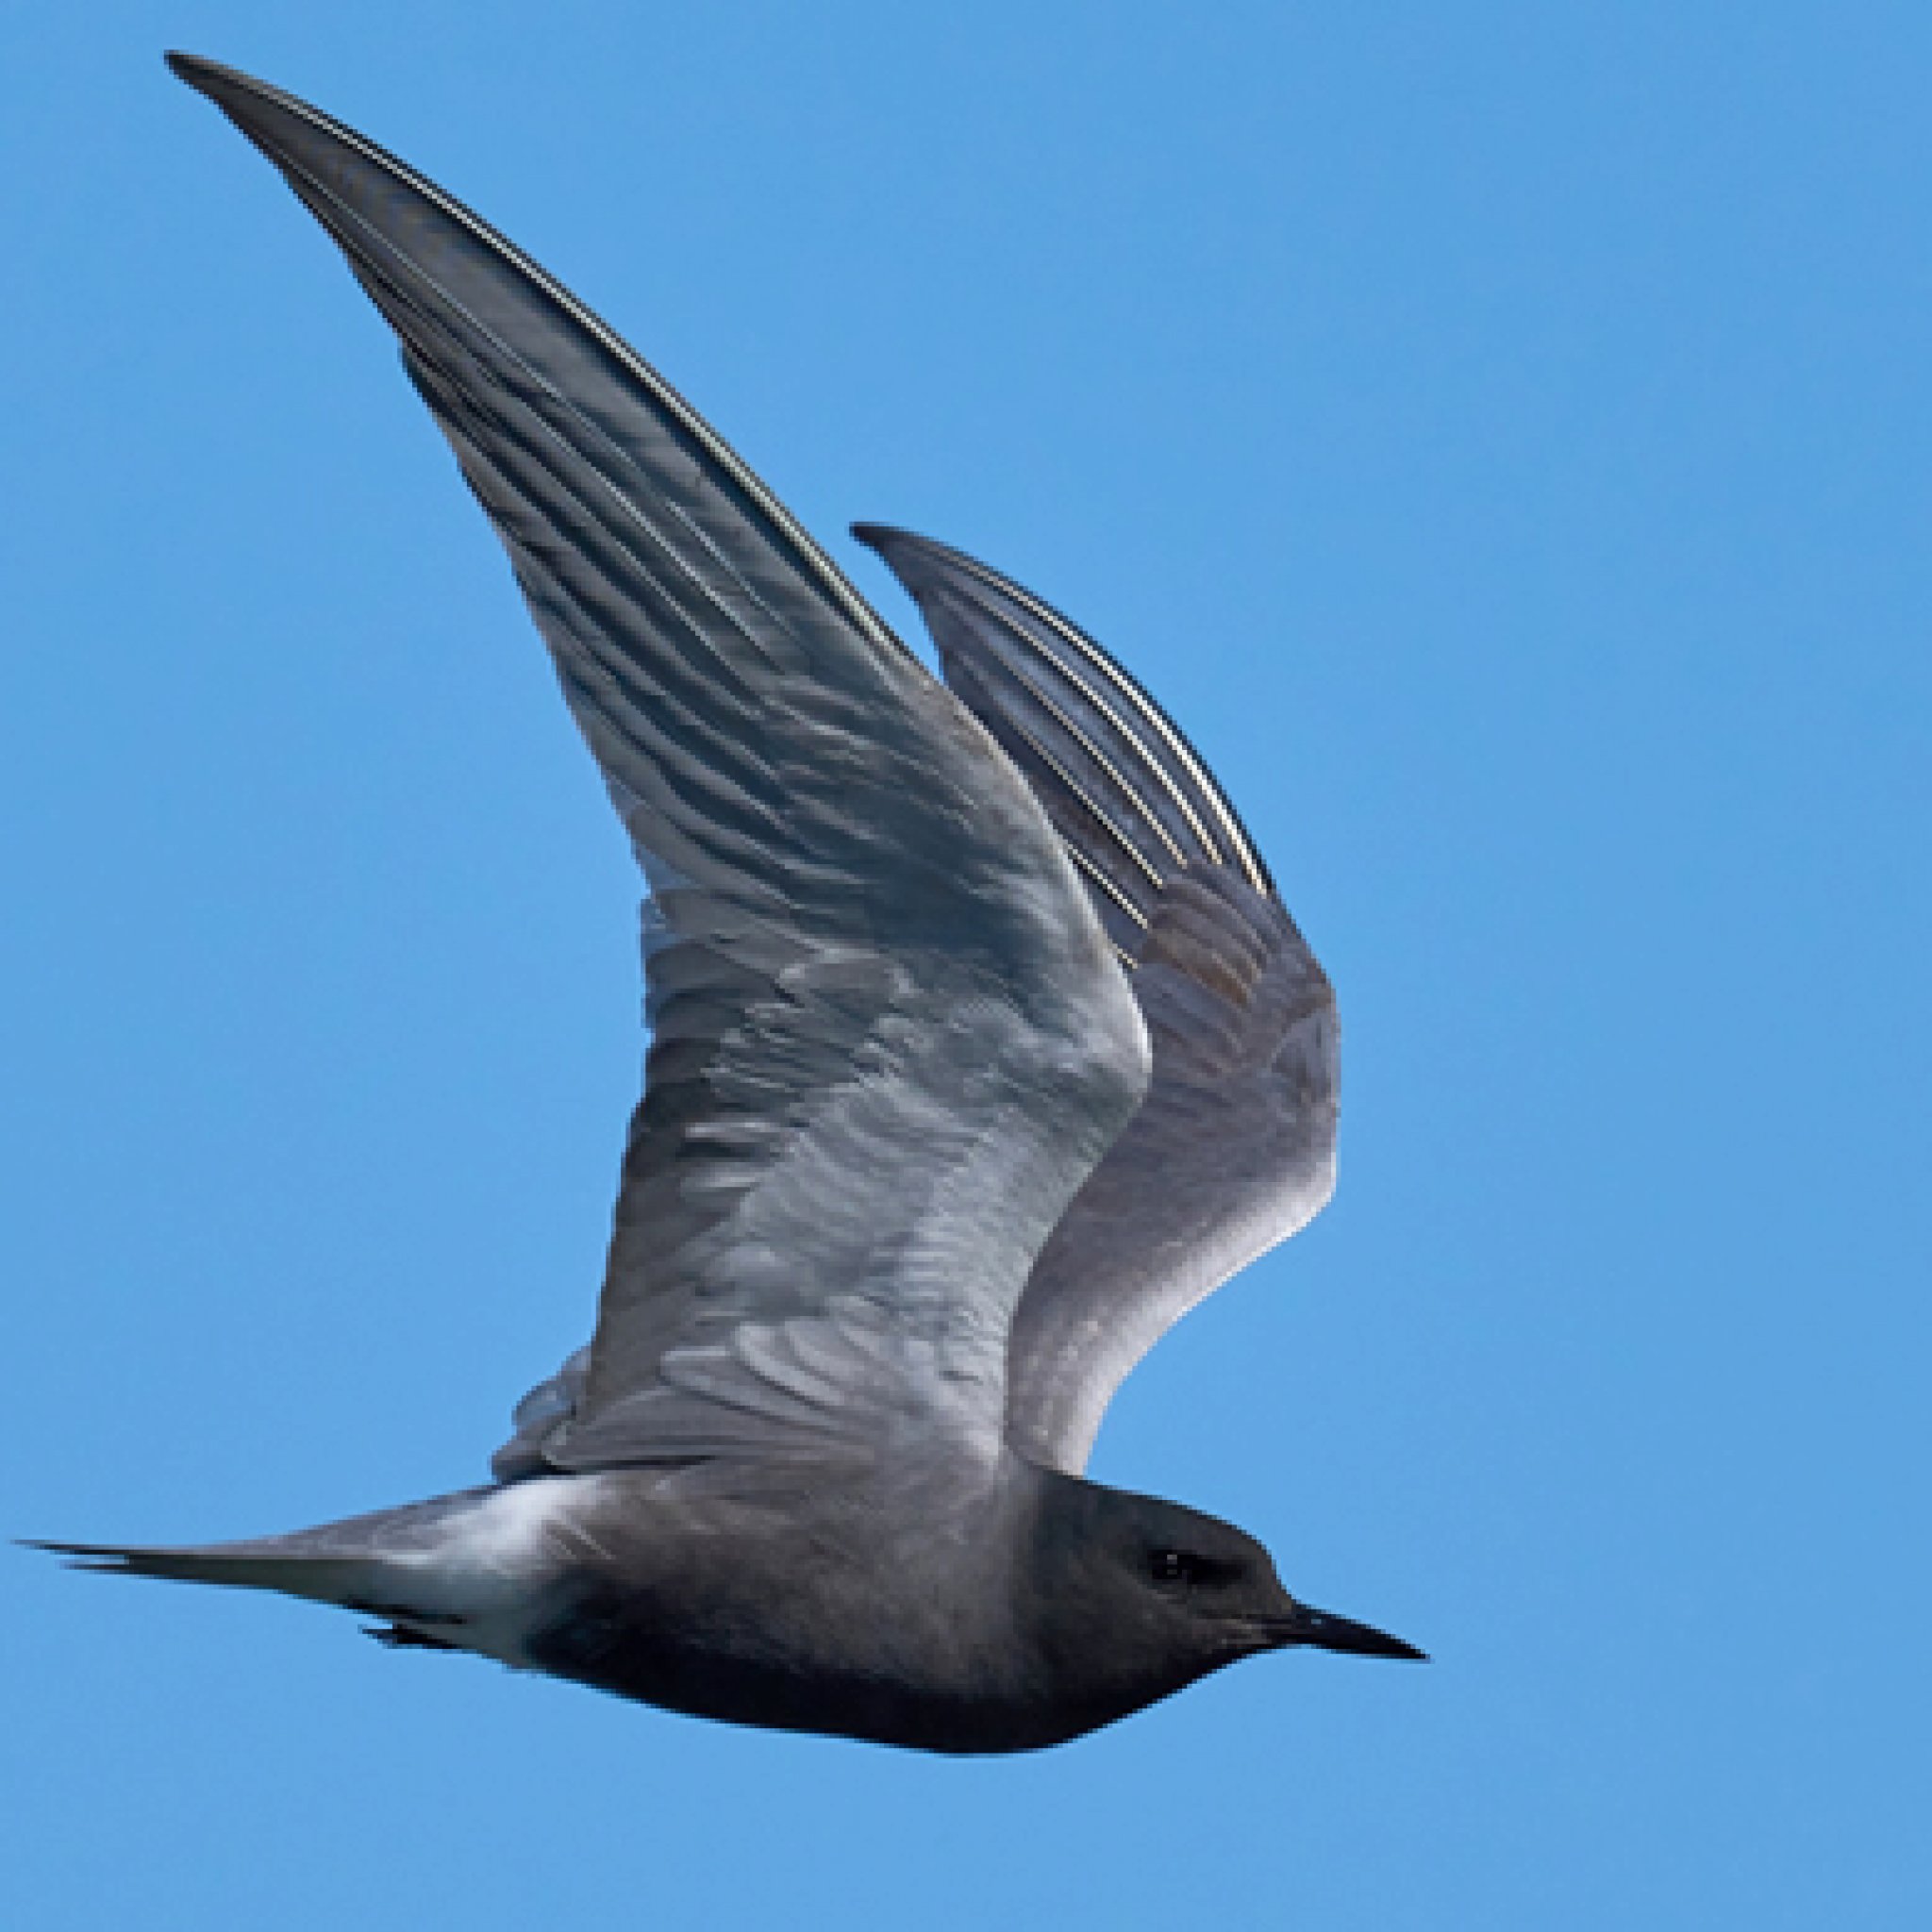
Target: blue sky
1500, 433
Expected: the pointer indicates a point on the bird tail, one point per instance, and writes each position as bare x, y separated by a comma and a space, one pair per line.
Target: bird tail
244, 1565
382, 1563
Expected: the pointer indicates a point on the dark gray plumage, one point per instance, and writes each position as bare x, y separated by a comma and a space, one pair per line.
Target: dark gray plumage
946, 1118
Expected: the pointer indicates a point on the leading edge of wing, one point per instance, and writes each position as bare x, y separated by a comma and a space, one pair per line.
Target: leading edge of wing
888, 1042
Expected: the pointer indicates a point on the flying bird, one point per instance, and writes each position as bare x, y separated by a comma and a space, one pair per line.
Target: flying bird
981, 1048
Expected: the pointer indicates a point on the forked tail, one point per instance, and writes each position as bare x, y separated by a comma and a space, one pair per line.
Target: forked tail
383, 1564
247, 1565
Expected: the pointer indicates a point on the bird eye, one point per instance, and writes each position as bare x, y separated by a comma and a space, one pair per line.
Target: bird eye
1191, 1568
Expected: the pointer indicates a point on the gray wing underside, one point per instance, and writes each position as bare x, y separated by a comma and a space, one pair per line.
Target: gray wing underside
1233, 1149
888, 1042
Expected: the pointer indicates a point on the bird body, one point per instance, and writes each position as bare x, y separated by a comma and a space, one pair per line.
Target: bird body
951, 1616
981, 1049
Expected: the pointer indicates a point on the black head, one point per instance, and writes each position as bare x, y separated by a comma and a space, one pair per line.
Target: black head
1142, 1596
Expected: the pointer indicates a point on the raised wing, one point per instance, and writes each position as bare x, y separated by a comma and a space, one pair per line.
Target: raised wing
1234, 1148
887, 1039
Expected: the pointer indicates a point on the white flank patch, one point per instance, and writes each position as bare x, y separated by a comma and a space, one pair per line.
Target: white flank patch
495, 1564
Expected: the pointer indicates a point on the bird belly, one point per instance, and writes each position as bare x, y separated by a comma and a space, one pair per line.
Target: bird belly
626, 1648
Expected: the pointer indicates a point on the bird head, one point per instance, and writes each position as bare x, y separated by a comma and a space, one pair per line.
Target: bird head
1142, 1596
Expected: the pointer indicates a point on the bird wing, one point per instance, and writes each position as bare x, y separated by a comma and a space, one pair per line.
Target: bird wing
1233, 1149
887, 1039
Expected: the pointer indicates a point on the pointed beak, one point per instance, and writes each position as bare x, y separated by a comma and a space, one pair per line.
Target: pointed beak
1322, 1631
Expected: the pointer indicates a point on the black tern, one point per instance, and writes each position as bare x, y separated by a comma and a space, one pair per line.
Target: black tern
981, 1048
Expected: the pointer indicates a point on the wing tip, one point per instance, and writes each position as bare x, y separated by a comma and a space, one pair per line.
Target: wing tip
902, 551
247, 101
203, 76
921, 563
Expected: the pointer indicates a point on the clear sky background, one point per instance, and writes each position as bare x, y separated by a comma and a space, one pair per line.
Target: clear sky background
1500, 434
